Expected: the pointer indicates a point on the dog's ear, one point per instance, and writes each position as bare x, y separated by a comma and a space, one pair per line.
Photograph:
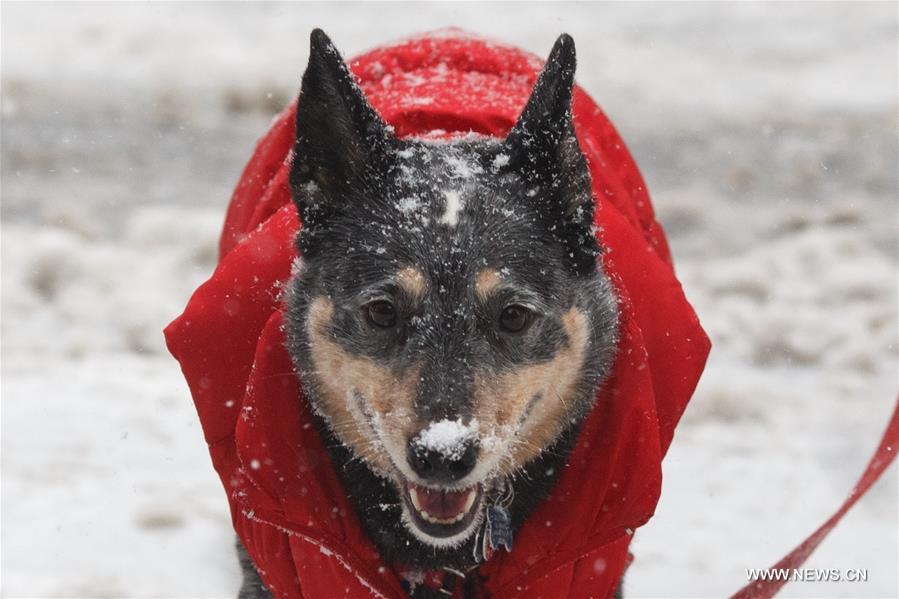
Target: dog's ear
340, 139
542, 145
543, 149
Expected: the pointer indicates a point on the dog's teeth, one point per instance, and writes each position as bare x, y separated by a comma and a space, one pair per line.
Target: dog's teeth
413, 495
435, 520
468, 502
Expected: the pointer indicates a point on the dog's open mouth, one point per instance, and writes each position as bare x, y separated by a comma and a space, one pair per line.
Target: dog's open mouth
442, 512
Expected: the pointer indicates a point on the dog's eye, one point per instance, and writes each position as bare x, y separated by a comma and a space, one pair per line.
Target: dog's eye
514, 318
381, 313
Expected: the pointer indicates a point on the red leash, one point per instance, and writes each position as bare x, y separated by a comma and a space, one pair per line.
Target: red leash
882, 458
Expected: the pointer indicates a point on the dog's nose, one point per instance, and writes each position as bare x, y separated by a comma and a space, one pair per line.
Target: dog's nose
442, 464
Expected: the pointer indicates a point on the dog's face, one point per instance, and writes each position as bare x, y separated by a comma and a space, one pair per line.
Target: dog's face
448, 318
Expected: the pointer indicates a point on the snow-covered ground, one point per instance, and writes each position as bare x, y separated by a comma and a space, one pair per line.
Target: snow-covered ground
767, 134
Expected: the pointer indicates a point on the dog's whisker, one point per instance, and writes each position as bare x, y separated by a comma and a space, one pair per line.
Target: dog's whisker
278, 375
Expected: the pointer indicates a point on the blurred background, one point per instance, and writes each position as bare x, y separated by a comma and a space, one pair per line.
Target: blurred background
768, 137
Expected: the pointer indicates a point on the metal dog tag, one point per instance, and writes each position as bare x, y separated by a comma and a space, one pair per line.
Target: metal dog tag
499, 527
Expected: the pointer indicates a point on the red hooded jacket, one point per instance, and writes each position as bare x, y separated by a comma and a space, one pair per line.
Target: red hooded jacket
287, 504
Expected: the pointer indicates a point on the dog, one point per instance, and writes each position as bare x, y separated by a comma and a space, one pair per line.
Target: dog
448, 316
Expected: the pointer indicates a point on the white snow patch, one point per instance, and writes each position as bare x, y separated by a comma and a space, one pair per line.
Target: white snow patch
500, 161
462, 167
310, 187
453, 206
410, 204
448, 437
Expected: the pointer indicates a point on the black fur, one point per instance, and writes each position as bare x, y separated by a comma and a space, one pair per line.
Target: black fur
252, 586
371, 203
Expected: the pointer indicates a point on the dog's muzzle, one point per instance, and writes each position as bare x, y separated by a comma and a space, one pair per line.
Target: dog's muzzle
442, 513
436, 505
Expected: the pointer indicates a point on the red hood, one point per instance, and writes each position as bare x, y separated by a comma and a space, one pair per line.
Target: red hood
287, 503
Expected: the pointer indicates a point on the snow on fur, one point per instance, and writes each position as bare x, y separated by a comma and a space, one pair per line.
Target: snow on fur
449, 438
453, 207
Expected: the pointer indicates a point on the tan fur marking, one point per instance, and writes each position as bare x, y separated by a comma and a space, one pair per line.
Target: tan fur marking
339, 376
486, 281
413, 281
503, 400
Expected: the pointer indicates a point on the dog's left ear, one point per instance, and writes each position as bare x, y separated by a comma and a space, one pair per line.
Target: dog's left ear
340, 139
543, 149
542, 145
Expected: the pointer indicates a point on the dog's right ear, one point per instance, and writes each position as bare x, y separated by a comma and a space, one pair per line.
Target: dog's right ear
340, 139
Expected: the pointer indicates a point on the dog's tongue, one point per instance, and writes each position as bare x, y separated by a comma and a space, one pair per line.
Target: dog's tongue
442, 504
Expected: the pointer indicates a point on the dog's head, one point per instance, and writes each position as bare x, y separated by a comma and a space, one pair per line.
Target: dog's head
449, 317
